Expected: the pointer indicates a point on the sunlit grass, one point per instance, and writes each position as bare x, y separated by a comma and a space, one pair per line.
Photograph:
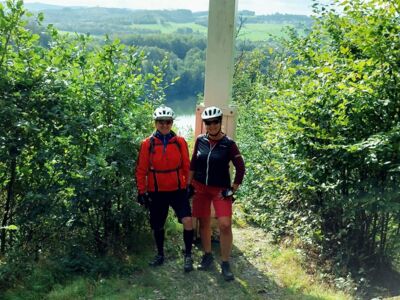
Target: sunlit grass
288, 264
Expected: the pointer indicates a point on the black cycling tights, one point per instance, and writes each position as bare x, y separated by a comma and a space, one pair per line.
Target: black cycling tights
159, 238
187, 238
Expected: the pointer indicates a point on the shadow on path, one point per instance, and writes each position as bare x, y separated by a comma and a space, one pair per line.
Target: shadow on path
385, 279
251, 282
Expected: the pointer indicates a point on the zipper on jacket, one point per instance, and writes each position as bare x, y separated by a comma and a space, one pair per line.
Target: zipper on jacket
208, 161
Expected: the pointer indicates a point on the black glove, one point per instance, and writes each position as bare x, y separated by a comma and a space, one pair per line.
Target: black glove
144, 200
228, 194
189, 191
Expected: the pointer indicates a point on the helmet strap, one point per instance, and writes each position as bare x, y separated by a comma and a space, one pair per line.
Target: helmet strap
214, 135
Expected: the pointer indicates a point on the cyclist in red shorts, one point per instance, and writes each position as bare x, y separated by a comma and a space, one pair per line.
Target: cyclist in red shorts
161, 174
210, 178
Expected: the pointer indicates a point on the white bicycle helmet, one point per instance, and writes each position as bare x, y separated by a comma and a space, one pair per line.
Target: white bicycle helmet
163, 113
211, 112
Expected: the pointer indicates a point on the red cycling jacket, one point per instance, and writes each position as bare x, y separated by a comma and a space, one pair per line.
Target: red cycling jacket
162, 169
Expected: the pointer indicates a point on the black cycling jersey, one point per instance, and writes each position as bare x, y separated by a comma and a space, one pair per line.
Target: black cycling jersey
210, 162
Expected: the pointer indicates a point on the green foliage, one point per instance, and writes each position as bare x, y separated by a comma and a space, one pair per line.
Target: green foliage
71, 120
320, 131
183, 56
175, 34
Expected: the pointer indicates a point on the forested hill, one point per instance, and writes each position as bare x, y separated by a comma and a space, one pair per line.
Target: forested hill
99, 20
174, 40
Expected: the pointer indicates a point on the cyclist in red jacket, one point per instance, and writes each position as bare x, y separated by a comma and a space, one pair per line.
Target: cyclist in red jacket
161, 175
209, 175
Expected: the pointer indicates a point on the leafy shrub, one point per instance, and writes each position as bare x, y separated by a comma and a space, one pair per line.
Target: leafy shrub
71, 120
319, 128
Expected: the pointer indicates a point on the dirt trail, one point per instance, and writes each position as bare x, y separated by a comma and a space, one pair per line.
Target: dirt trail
253, 274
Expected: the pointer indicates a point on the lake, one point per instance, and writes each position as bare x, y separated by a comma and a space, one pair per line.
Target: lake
185, 125
184, 109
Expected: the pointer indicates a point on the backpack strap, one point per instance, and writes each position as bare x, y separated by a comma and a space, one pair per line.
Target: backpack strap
154, 171
151, 144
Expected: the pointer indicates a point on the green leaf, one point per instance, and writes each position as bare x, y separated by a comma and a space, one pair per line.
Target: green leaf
10, 227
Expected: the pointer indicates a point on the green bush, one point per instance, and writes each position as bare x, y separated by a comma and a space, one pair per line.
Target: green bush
319, 127
72, 116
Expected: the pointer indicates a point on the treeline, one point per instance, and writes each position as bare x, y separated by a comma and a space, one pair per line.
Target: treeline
319, 126
184, 53
102, 21
278, 18
185, 56
75, 17
184, 49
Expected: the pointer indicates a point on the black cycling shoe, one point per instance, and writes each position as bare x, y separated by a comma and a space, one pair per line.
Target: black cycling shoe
206, 262
188, 264
157, 261
226, 271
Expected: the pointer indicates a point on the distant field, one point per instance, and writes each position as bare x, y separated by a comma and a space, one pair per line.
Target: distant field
170, 27
261, 31
253, 32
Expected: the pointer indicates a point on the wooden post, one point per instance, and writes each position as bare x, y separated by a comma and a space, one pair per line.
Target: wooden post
219, 71
219, 63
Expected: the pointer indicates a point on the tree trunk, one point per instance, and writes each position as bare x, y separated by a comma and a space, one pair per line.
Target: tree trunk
7, 206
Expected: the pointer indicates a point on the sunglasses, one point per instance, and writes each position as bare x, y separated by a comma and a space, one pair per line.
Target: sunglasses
165, 122
212, 122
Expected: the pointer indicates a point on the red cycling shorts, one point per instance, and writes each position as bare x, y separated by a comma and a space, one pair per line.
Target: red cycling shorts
205, 195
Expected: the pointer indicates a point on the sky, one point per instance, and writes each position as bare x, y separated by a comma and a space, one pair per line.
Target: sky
302, 7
